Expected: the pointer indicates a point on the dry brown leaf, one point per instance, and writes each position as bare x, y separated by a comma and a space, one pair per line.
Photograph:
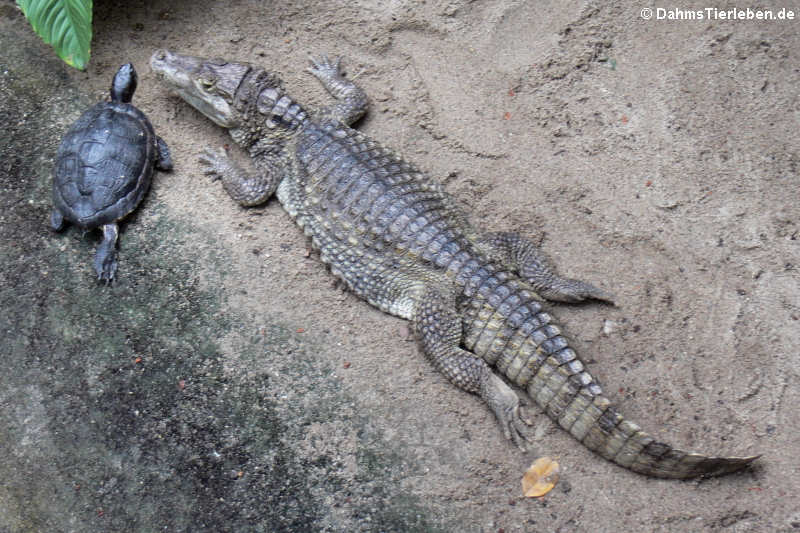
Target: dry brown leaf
540, 477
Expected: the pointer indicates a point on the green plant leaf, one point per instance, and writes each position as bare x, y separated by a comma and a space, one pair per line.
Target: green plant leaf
64, 24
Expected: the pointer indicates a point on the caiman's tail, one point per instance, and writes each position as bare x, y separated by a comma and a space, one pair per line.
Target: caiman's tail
509, 330
569, 396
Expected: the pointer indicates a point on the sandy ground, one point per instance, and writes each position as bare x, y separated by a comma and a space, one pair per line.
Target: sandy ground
657, 159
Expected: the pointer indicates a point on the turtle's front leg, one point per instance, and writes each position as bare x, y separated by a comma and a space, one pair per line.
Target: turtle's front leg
163, 157
57, 220
105, 258
246, 188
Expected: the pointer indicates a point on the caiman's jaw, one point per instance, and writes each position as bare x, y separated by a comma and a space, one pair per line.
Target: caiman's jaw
209, 85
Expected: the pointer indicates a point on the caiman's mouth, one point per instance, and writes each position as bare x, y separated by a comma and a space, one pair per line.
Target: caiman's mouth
197, 81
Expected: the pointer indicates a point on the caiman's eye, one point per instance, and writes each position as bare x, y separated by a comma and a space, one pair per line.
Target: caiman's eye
206, 82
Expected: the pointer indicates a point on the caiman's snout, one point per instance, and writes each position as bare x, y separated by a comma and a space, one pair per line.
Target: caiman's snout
165, 62
208, 85
176, 69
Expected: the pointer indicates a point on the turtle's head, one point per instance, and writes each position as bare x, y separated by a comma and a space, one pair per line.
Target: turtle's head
124, 84
221, 90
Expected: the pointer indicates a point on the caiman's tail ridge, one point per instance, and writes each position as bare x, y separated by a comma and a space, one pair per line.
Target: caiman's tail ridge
592, 420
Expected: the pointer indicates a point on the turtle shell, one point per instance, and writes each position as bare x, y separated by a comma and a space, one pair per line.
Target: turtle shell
104, 164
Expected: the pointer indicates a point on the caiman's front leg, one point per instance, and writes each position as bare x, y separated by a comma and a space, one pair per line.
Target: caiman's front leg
522, 255
352, 100
438, 327
246, 188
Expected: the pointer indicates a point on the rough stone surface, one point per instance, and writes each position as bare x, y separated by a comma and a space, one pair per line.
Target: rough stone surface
661, 156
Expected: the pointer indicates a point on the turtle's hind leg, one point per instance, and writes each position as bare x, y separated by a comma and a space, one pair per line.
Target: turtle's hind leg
105, 259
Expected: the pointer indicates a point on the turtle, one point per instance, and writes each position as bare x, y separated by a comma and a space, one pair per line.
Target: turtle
104, 167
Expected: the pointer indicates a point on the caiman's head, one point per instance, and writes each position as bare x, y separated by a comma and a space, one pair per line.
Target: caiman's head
224, 91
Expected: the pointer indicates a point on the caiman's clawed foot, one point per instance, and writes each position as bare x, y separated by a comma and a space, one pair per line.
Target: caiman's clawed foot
352, 101
504, 402
246, 187
324, 69
216, 161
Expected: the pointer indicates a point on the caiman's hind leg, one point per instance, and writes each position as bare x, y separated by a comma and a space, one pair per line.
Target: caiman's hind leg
522, 255
352, 100
439, 329
246, 188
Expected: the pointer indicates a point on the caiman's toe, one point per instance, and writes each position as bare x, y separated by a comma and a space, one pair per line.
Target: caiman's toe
520, 431
575, 291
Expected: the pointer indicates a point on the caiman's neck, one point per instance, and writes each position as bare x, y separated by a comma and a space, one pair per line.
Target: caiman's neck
270, 116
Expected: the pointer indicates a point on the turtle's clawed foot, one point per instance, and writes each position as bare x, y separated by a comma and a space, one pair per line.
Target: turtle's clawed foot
106, 268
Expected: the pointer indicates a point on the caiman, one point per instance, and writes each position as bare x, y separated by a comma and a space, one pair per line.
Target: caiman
399, 241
